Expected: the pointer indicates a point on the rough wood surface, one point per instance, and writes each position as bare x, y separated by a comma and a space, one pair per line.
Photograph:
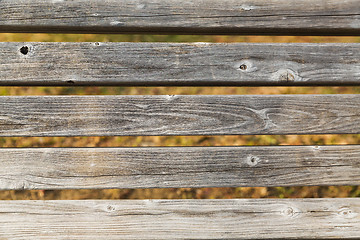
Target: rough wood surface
181, 219
74, 168
178, 115
306, 17
174, 64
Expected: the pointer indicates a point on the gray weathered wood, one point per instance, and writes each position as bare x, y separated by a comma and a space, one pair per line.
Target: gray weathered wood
70, 168
178, 115
174, 64
306, 17
181, 219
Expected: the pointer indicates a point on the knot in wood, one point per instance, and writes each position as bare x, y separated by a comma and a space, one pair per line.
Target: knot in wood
285, 75
346, 212
110, 208
245, 66
252, 160
24, 50
290, 212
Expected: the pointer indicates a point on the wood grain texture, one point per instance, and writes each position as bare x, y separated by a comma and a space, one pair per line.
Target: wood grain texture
178, 115
289, 17
181, 219
74, 168
174, 64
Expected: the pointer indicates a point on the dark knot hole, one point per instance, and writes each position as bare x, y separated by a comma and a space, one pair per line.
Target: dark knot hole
24, 50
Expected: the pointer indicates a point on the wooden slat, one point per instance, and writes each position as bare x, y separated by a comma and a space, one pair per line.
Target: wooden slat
305, 17
178, 115
181, 219
173, 64
74, 168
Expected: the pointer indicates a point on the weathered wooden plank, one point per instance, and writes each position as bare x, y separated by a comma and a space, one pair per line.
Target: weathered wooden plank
178, 115
295, 17
174, 64
74, 168
181, 219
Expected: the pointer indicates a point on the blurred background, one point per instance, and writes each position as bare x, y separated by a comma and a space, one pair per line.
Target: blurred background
178, 193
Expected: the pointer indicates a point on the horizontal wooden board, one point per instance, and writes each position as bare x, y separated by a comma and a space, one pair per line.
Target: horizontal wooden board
175, 64
74, 168
178, 115
281, 17
181, 219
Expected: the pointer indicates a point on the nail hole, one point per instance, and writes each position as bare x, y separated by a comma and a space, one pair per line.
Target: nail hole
243, 67
24, 50
97, 44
